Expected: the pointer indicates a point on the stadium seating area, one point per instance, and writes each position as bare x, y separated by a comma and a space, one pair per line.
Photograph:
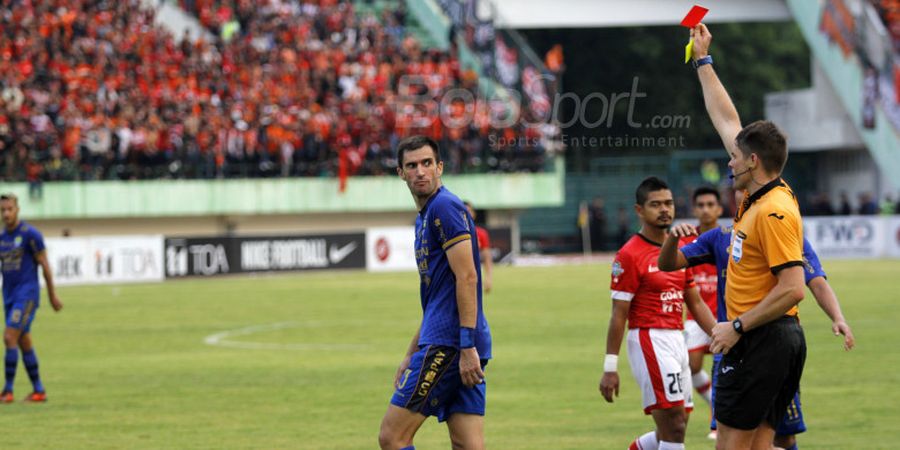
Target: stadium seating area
95, 90
890, 12
888, 84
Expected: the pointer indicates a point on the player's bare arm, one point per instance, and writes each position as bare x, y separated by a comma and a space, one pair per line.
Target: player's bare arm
670, 257
609, 383
413, 347
788, 291
41, 258
698, 308
721, 109
462, 263
827, 300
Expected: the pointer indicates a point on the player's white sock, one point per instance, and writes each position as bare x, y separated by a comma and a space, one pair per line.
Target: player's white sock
663, 445
703, 385
645, 442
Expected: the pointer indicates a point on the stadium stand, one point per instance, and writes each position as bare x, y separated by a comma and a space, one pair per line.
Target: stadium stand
94, 90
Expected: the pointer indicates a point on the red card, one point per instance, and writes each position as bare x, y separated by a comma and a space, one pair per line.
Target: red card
694, 16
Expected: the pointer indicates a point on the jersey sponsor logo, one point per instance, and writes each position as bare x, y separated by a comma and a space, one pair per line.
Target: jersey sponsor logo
651, 268
12, 259
672, 301
708, 283
776, 216
17, 241
671, 295
337, 254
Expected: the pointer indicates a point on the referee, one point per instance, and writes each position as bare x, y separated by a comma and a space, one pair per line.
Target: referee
763, 345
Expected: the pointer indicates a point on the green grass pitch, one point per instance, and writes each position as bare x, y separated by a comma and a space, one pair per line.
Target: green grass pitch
130, 367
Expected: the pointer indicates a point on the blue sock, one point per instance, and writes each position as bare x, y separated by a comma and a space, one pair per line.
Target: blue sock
12, 359
31, 366
793, 447
411, 447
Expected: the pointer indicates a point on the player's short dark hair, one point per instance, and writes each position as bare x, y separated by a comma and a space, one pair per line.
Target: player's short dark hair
651, 184
768, 142
706, 190
10, 197
414, 143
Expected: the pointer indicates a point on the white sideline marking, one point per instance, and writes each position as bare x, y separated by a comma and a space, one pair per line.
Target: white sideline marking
223, 339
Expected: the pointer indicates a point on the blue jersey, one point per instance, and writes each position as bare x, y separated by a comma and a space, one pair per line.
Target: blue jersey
712, 248
442, 223
812, 268
19, 266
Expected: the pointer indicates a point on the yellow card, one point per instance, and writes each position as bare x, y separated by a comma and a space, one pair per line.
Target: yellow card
688, 49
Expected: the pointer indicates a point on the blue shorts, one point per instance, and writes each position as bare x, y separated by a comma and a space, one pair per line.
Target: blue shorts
431, 386
793, 420
20, 314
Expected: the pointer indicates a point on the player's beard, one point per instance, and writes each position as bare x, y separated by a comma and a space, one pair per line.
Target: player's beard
663, 223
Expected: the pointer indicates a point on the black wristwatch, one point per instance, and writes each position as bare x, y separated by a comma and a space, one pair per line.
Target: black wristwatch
738, 325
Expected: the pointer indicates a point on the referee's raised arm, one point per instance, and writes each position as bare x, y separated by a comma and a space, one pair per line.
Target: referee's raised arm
719, 106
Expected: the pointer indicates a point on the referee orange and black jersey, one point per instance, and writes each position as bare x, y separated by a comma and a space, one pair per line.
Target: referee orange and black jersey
767, 237
759, 376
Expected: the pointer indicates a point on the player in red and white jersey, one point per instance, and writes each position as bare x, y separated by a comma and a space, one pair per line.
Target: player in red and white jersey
652, 303
707, 209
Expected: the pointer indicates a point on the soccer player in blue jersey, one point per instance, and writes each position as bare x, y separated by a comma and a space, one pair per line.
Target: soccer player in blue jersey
712, 248
21, 252
442, 373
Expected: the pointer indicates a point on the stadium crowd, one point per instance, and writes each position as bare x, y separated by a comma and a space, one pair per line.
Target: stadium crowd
93, 90
890, 13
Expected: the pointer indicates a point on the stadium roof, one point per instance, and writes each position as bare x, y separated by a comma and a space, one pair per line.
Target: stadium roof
617, 13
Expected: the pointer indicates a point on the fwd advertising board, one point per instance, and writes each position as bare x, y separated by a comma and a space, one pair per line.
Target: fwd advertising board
847, 236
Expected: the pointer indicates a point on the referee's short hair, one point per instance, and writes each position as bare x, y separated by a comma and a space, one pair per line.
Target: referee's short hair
651, 184
768, 142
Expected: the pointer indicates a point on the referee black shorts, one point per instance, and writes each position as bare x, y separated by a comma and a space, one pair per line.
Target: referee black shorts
759, 376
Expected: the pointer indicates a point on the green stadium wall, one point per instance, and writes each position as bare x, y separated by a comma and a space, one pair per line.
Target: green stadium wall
191, 198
